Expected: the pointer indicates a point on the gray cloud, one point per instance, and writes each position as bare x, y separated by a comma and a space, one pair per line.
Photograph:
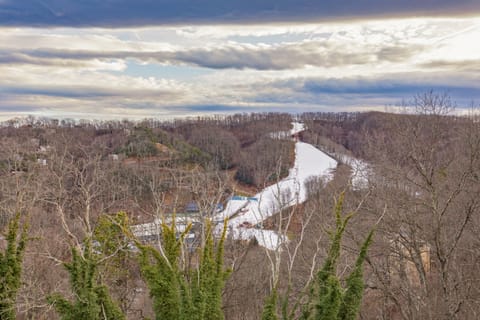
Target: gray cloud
160, 12
11, 58
280, 57
463, 65
290, 56
364, 91
295, 94
86, 92
16, 108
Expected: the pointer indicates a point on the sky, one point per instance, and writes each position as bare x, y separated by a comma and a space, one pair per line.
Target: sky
166, 58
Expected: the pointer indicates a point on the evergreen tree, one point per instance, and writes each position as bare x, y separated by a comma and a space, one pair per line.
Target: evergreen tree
11, 268
114, 250
352, 297
210, 278
92, 300
161, 272
178, 293
270, 307
327, 299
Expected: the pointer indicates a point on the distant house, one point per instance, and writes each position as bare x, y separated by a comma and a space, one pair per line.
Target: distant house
151, 231
192, 207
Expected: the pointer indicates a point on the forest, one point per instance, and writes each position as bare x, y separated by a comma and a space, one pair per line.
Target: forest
403, 245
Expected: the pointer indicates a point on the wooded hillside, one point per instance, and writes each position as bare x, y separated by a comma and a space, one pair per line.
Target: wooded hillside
78, 186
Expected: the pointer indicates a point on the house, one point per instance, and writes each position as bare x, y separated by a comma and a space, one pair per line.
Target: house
192, 207
151, 232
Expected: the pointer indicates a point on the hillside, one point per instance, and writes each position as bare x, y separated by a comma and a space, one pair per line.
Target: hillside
420, 194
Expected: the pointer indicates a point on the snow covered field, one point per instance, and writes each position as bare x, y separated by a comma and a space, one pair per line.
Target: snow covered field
246, 214
297, 127
361, 171
309, 162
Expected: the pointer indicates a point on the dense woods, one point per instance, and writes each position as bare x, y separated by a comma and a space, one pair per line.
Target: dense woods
78, 186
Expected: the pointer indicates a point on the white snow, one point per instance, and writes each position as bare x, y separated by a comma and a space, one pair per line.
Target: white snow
265, 238
232, 207
361, 171
309, 161
247, 214
297, 127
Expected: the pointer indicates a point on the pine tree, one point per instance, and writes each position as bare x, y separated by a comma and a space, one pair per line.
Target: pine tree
161, 272
114, 250
327, 299
11, 268
352, 297
176, 292
211, 278
270, 306
92, 300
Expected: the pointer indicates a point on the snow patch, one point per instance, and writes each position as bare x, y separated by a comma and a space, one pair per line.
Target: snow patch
309, 162
266, 238
361, 171
296, 128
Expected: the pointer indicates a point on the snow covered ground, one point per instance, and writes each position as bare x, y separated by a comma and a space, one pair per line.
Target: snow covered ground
247, 213
361, 171
265, 238
309, 161
152, 229
297, 127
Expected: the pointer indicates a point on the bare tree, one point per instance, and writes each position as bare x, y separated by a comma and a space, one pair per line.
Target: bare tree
427, 169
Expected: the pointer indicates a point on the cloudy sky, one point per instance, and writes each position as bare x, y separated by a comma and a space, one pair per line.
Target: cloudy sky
155, 58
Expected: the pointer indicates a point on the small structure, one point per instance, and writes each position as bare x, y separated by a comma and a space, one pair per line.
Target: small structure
192, 207
151, 231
